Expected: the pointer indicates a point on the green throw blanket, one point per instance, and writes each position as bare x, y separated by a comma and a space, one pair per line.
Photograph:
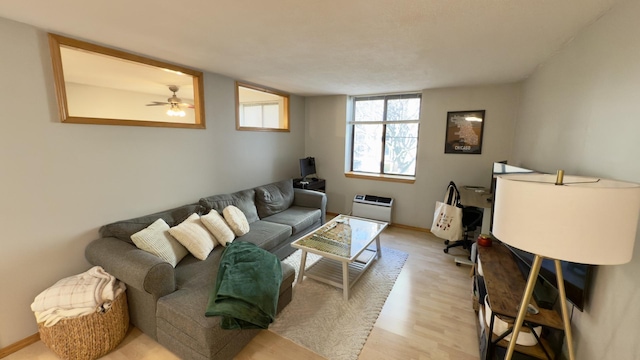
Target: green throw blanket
247, 287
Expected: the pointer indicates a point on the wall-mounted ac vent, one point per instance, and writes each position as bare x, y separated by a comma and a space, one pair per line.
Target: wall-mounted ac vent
372, 207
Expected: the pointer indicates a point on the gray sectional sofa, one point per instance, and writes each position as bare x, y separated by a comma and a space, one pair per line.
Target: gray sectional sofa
167, 303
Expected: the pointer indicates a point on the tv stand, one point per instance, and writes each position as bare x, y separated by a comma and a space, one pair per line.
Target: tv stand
310, 184
505, 286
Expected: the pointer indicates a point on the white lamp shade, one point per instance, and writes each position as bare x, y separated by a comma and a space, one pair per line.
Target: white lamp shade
585, 220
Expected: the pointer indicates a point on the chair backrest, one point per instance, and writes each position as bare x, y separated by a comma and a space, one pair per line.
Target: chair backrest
471, 217
452, 196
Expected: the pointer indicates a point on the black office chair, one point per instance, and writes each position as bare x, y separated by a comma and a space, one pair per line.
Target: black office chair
471, 219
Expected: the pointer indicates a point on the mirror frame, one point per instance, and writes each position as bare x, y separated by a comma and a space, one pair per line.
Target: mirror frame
268, 91
56, 41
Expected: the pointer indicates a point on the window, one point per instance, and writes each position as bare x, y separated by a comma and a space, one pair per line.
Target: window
384, 134
100, 85
260, 109
264, 115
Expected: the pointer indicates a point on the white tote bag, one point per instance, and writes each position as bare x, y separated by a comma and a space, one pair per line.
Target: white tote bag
447, 218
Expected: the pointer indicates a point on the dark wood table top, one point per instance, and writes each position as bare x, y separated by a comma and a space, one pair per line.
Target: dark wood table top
505, 286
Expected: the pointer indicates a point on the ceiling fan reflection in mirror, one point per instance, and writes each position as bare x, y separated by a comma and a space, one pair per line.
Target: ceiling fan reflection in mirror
174, 102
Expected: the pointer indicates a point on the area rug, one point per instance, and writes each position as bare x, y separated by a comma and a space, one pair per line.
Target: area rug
319, 319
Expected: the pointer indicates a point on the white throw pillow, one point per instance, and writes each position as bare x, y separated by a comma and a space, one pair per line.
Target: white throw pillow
156, 240
218, 227
236, 219
194, 236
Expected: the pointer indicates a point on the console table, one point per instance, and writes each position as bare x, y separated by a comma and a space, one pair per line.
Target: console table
317, 184
505, 286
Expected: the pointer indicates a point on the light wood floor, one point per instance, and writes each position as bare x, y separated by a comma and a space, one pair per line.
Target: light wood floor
428, 315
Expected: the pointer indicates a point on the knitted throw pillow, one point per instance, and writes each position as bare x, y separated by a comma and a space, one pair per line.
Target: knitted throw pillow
236, 219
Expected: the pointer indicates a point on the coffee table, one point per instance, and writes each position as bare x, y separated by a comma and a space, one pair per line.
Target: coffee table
344, 245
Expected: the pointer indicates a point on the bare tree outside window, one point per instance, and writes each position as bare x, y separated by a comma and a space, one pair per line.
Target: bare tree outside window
385, 134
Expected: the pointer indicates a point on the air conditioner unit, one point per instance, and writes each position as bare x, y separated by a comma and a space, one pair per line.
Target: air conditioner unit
372, 207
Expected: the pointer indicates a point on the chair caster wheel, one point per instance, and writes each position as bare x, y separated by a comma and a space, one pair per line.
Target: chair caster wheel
457, 263
446, 251
446, 242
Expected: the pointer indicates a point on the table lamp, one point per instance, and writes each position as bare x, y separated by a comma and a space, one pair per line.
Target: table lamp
577, 219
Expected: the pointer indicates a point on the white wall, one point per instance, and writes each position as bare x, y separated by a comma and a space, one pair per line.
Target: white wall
61, 182
103, 102
414, 203
580, 113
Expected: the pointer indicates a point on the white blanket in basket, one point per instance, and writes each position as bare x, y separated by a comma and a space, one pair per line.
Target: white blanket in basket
78, 295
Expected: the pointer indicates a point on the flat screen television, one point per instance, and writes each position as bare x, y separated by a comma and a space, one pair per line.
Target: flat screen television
307, 167
577, 277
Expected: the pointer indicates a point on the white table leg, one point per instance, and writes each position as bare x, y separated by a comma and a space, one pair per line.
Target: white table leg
303, 260
345, 280
379, 248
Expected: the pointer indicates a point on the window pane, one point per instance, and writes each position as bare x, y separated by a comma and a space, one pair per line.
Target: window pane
401, 146
403, 109
251, 116
271, 113
369, 110
367, 147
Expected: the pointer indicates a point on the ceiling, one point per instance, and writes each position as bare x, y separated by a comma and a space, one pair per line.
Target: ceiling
353, 47
82, 66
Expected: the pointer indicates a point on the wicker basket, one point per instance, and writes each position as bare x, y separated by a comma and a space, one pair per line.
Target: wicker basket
90, 336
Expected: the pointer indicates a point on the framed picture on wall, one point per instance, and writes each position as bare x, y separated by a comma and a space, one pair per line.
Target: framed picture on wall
464, 132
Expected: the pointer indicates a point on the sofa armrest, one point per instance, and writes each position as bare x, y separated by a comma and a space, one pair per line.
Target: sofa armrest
135, 267
312, 199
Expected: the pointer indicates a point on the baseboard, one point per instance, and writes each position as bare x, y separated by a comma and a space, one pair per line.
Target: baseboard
6, 351
409, 227
331, 215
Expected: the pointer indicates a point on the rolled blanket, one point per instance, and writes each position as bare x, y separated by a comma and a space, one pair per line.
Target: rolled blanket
77, 295
247, 287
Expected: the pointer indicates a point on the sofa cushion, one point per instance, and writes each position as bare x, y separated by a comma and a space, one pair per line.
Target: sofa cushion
298, 217
274, 198
193, 273
194, 236
266, 235
181, 316
218, 226
125, 228
181, 313
243, 200
155, 239
236, 220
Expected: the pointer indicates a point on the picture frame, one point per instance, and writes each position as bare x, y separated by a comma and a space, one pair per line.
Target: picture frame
464, 132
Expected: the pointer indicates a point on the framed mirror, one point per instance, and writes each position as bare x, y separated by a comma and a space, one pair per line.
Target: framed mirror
99, 85
260, 109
